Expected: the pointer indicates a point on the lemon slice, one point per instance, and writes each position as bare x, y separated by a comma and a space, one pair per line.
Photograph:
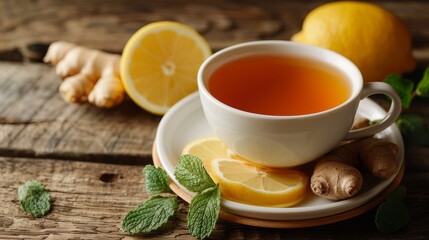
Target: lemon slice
247, 183
160, 62
208, 149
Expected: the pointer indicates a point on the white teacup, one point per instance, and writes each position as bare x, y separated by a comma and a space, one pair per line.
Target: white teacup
286, 141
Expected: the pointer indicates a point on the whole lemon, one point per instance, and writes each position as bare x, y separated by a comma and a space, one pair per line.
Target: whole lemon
374, 39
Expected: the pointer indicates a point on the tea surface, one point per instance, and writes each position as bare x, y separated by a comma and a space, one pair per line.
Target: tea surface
279, 85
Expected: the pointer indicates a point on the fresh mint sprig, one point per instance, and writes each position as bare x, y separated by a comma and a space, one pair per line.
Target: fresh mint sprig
153, 213
204, 212
412, 126
150, 215
406, 88
205, 205
34, 198
191, 174
156, 180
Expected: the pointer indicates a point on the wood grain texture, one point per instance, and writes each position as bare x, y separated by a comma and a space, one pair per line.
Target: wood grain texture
108, 24
87, 157
35, 121
90, 200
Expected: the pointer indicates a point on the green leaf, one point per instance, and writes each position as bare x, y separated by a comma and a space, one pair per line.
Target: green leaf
34, 198
156, 180
393, 214
203, 212
404, 87
414, 129
150, 215
191, 174
422, 89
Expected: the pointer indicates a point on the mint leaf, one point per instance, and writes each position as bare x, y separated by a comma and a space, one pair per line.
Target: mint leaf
205, 206
34, 198
191, 174
203, 212
422, 89
413, 129
393, 214
150, 215
156, 180
404, 87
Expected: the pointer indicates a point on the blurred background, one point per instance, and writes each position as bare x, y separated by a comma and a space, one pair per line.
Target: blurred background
28, 26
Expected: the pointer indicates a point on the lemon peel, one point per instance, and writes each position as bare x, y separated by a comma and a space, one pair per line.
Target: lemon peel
373, 38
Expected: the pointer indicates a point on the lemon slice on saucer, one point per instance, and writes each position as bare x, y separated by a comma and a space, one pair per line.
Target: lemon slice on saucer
247, 183
160, 62
208, 149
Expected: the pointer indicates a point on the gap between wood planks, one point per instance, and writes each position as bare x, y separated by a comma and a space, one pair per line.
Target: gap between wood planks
120, 159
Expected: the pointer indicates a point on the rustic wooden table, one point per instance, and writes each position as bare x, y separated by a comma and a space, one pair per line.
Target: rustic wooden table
91, 159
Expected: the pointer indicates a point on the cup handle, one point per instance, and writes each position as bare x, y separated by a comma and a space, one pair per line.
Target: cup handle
393, 113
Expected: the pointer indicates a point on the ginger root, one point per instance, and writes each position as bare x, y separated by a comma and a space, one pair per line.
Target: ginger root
336, 175
89, 75
379, 157
335, 180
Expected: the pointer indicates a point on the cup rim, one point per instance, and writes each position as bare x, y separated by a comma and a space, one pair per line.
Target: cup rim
353, 70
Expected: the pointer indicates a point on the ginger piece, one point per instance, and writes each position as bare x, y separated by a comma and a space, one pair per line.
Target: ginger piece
89, 75
336, 180
336, 175
379, 157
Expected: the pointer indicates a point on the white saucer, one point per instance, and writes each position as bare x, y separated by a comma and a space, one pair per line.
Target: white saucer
185, 122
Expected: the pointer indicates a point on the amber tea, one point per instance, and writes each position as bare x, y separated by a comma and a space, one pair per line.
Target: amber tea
286, 78
279, 85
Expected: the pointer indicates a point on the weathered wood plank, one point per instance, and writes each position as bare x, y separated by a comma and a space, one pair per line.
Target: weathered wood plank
35, 121
109, 24
90, 200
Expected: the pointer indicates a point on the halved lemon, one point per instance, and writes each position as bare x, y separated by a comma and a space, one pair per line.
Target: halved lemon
160, 62
247, 183
208, 149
